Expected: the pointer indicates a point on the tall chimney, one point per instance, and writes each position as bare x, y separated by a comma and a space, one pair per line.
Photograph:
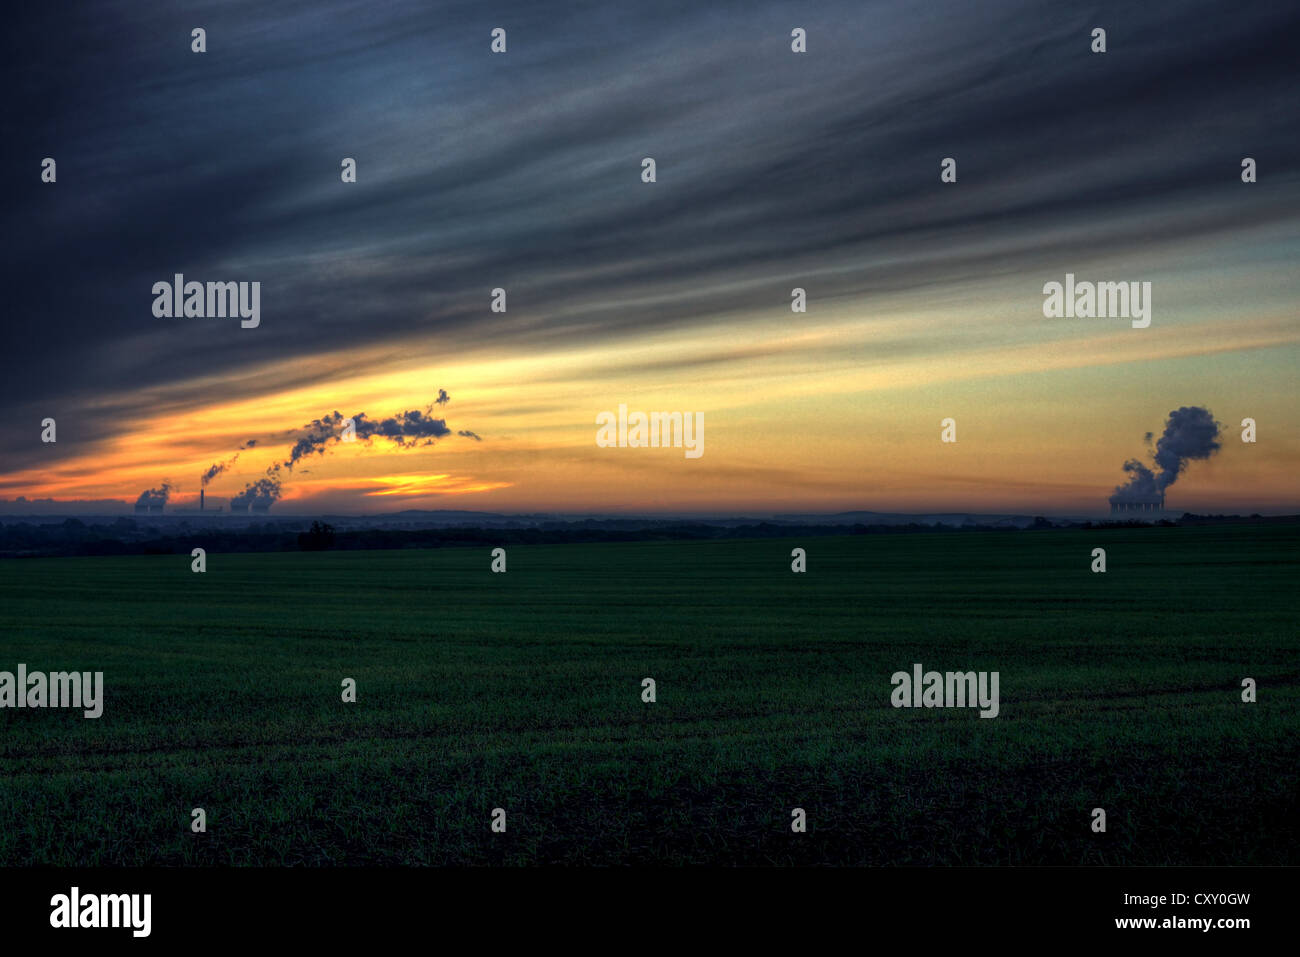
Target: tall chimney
200, 500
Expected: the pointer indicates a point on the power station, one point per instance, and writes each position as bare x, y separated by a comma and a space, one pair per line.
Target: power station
1153, 503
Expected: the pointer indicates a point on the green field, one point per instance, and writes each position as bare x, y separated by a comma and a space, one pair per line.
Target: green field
523, 691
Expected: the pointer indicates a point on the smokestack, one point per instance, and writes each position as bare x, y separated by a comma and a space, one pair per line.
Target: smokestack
200, 500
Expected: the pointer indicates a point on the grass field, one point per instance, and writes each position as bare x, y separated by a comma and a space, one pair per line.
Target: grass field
523, 691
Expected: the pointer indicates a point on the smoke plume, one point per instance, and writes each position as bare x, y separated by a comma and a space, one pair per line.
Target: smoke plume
155, 497
406, 429
1191, 433
216, 469
262, 493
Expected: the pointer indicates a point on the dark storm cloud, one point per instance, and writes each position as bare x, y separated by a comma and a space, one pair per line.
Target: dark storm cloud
523, 170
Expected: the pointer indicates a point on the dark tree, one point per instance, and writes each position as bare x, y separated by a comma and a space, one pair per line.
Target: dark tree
318, 539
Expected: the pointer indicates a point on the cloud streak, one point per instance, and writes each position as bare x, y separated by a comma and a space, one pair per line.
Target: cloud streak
819, 170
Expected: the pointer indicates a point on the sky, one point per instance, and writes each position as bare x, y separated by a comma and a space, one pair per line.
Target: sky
523, 171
